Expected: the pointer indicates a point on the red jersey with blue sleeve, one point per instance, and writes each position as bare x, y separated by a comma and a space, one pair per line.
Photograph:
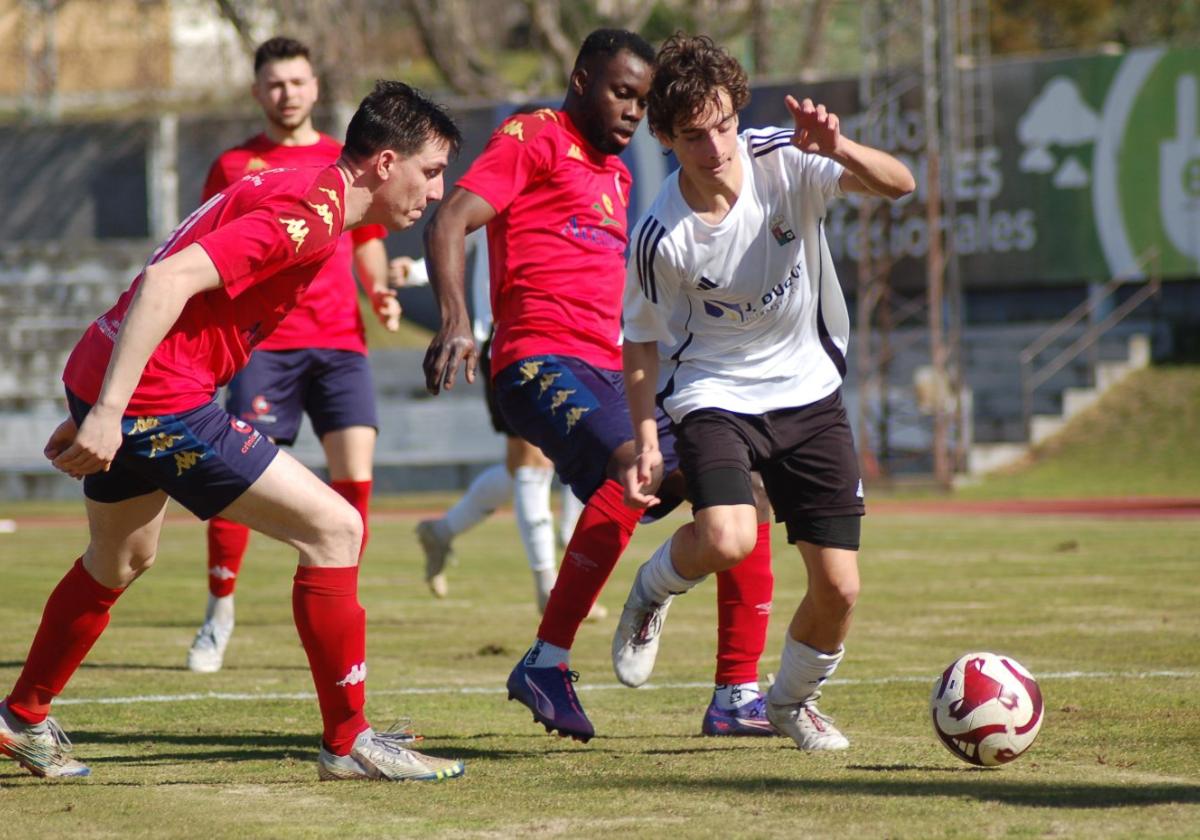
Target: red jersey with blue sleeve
269, 235
556, 246
327, 316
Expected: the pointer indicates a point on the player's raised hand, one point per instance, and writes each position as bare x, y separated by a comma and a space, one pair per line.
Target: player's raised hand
817, 130
451, 346
387, 308
87, 449
642, 478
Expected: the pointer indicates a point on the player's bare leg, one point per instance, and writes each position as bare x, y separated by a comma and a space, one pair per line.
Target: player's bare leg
813, 647
350, 455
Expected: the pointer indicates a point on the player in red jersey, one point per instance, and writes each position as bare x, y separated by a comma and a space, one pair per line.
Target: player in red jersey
144, 426
316, 360
553, 194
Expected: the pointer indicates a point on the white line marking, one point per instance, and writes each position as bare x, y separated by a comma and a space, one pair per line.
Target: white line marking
491, 689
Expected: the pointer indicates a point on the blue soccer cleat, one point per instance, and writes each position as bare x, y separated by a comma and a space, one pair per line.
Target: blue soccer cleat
750, 718
550, 694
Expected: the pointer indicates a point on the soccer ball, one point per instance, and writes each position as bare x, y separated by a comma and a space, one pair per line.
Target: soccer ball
987, 709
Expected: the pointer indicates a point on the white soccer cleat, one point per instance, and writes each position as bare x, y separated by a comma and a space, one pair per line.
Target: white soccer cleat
635, 644
437, 554
804, 724
384, 758
42, 748
207, 653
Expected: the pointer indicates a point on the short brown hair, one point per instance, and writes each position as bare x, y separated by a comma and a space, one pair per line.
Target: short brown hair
691, 72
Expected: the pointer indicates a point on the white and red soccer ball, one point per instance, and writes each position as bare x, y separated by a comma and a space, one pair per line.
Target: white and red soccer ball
987, 709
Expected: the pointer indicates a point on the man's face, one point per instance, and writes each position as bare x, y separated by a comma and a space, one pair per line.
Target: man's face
412, 183
613, 92
286, 90
706, 144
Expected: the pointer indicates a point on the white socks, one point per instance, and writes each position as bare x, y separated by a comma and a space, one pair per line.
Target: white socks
657, 579
731, 696
488, 491
531, 503
219, 610
801, 671
545, 655
568, 516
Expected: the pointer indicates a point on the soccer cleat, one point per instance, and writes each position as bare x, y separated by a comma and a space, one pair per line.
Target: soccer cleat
41, 748
750, 718
207, 653
550, 694
635, 644
437, 553
383, 757
804, 724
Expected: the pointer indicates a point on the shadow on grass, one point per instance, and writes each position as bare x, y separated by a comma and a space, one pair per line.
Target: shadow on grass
984, 785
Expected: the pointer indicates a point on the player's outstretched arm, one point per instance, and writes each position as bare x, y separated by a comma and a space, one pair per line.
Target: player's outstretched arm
165, 289
868, 170
445, 259
642, 478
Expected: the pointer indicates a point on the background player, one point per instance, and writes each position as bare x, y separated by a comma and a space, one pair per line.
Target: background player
553, 194
732, 287
316, 361
144, 426
526, 475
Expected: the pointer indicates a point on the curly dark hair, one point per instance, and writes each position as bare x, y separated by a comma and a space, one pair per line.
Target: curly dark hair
691, 72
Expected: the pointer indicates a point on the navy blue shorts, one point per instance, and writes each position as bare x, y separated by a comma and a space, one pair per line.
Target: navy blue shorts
202, 458
277, 387
577, 415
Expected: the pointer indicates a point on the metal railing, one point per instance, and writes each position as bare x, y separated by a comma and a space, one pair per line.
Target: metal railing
1034, 376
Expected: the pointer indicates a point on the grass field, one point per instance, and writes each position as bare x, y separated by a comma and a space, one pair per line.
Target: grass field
1104, 612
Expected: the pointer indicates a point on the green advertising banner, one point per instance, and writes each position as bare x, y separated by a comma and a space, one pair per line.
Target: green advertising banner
1093, 164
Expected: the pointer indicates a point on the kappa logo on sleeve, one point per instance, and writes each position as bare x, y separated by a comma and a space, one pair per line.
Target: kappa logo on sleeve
324, 212
333, 196
297, 230
514, 128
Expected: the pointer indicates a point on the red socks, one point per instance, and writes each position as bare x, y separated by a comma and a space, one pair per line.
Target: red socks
603, 531
743, 610
226, 547
333, 630
74, 617
358, 494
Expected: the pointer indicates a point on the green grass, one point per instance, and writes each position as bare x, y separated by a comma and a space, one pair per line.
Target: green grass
1141, 439
1117, 757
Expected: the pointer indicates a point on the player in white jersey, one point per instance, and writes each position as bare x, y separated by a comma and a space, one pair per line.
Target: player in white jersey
735, 322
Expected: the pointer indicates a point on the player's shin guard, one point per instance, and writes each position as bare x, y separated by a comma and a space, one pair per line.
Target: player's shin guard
358, 494
226, 547
604, 529
74, 617
743, 611
333, 629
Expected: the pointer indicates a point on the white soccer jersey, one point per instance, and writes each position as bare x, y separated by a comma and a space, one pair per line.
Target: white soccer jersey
748, 313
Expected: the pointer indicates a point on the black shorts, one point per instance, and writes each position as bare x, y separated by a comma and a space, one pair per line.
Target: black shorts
806, 457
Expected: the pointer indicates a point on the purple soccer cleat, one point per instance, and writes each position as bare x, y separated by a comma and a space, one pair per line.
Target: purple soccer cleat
750, 718
550, 694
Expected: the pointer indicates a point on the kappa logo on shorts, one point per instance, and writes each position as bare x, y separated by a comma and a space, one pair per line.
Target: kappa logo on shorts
529, 370
162, 442
142, 425
560, 397
184, 461
574, 415
357, 675
546, 381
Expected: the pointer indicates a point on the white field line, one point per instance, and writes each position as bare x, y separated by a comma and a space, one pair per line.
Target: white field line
492, 689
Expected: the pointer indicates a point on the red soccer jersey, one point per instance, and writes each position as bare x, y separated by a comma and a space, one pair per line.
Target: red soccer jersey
327, 316
556, 247
268, 236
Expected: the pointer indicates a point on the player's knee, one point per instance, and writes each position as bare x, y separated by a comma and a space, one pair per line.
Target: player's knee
341, 534
724, 545
838, 595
